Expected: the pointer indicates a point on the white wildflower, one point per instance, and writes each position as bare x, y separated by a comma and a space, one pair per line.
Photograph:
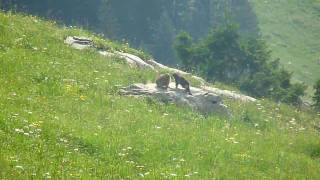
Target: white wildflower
20, 167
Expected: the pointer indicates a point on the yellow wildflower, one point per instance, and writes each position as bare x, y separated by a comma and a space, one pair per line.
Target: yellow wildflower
83, 98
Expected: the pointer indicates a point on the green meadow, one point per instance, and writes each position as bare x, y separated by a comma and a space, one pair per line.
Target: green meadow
292, 30
61, 117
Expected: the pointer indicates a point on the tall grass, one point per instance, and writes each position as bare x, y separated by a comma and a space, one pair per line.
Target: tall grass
61, 117
291, 28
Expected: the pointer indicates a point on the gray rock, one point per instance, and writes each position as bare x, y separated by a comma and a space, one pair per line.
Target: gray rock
229, 94
79, 42
200, 100
136, 62
135, 59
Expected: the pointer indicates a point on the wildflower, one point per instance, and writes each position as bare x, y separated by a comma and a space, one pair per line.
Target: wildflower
158, 127
173, 174
20, 167
121, 154
147, 173
63, 140
19, 130
165, 114
83, 98
47, 175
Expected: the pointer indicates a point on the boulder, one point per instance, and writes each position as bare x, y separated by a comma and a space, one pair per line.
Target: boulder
229, 94
161, 66
79, 42
133, 58
136, 62
129, 61
200, 100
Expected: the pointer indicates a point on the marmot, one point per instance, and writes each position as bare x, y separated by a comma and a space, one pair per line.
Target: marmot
163, 81
182, 81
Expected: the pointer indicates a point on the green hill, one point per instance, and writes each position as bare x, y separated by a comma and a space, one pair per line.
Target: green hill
292, 29
61, 117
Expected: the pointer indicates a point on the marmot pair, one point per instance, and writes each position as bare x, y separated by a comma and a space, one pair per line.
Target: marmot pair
164, 80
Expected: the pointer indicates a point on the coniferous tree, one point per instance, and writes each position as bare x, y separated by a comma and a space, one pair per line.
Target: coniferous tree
316, 96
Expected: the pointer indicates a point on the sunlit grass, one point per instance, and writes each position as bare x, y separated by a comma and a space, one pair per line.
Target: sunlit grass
61, 117
291, 28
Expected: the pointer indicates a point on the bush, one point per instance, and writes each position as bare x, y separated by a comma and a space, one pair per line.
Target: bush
316, 96
226, 56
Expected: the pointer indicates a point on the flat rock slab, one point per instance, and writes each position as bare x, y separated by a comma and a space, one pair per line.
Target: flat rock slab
200, 100
79, 42
136, 62
229, 94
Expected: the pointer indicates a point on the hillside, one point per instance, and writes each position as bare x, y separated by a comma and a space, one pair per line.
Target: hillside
62, 117
291, 28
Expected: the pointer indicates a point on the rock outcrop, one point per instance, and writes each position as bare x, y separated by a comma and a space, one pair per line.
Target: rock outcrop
205, 102
79, 42
229, 94
136, 62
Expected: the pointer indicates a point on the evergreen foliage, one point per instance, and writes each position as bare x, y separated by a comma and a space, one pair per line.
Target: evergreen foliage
316, 97
62, 117
148, 24
246, 62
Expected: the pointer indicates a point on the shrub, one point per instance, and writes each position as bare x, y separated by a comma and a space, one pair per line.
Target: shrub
316, 96
246, 62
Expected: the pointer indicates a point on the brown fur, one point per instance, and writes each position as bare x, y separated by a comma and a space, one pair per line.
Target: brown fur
163, 81
182, 81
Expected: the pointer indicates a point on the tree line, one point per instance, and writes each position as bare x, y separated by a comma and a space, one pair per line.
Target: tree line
147, 24
211, 44
243, 61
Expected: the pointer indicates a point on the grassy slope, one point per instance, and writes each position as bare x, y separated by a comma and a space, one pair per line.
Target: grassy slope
61, 117
292, 28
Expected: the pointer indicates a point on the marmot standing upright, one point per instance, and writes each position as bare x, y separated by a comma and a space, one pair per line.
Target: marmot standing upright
182, 81
163, 81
